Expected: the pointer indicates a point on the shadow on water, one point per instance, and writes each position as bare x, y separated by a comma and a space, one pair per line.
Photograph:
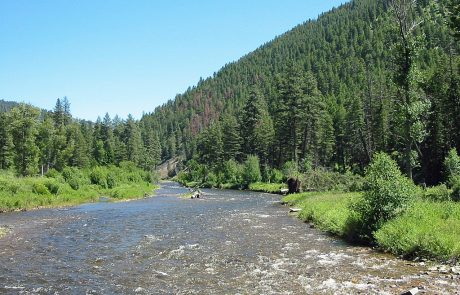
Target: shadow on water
226, 242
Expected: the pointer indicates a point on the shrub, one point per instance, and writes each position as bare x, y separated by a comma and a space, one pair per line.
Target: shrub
111, 179
456, 190
14, 187
74, 183
98, 177
290, 170
40, 188
232, 172
154, 177
52, 186
387, 194
251, 172
276, 176
452, 166
437, 193
73, 177
52, 173
306, 165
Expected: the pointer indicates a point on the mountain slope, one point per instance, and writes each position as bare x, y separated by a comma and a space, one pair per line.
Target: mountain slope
5, 105
350, 52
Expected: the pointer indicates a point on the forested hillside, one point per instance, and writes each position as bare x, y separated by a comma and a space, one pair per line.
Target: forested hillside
5, 105
34, 141
368, 76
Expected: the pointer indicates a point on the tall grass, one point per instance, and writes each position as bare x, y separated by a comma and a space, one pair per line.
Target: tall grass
429, 229
273, 188
72, 187
328, 211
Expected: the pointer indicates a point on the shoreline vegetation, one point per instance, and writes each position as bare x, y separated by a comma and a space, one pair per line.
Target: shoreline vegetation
384, 209
75, 186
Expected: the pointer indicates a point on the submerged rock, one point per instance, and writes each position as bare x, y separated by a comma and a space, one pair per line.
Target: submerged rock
411, 291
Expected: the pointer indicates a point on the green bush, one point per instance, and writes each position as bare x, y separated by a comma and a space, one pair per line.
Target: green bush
98, 176
232, 172
40, 188
387, 194
74, 183
290, 169
456, 190
251, 172
53, 186
52, 173
276, 176
452, 166
439, 193
14, 187
111, 179
211, 180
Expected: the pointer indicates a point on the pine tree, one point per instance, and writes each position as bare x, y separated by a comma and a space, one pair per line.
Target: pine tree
210, 147
45, 137
80, 149
59, 114
107, 138
412, 103
23, 129
453, 16
256, 126
231, 138
133, 141
6, 143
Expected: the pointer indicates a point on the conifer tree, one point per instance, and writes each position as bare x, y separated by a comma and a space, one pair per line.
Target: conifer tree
6, 142
45, 138
256, 126
133, 141
412, 104
23, 120
210, 147
231, 138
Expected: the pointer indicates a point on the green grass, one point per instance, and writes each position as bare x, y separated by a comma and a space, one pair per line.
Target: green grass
429, 229
328, 211
23, 193
267, 187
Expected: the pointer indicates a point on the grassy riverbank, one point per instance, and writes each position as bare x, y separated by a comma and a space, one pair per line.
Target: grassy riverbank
73, 186
426, 229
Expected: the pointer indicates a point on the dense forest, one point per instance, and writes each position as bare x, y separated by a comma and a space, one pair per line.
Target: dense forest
33, 141
368, 76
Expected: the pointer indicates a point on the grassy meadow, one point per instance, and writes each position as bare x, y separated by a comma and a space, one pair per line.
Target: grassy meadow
73, 186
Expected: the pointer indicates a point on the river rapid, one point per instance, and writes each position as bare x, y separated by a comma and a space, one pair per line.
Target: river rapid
228, 242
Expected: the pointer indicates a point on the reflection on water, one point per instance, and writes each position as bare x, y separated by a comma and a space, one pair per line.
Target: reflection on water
227, 242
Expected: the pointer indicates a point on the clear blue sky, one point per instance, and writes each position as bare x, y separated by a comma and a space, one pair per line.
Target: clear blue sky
130, 56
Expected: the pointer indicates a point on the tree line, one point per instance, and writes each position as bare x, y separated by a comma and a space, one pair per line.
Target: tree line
34, 141
366, 77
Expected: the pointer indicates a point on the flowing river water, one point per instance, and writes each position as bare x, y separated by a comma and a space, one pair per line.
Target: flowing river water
227, 242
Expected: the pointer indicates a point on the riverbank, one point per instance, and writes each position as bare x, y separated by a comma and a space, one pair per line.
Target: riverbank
428, 229
73, 187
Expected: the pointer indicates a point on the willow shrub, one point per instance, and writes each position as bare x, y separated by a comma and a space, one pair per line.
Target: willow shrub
387, 193
251, 171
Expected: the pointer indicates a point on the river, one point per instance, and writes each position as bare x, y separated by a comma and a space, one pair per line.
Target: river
227, 242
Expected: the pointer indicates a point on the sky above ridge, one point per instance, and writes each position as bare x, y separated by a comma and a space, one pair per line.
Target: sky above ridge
128, 57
